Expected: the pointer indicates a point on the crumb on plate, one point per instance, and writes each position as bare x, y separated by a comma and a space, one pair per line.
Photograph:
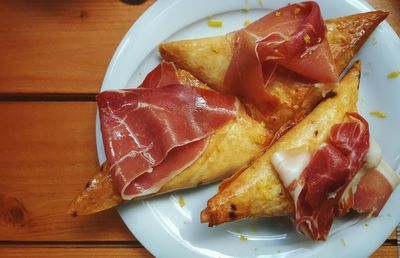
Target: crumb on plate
215, 23
393, 75
378, 114
243, 238
182, 201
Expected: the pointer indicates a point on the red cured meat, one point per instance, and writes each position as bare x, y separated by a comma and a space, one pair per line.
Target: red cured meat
372, 192
163, 75
142, 126
294, 37
171, 166
325, 178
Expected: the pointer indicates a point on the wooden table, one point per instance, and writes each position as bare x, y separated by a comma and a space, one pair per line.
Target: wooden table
53, 58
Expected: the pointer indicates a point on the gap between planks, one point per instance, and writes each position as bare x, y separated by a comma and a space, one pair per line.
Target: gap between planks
50, 97
67, 252
104, 243
73, 244
37, 183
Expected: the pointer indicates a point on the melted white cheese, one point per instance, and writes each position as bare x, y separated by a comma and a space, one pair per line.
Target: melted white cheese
374, 154
290, 164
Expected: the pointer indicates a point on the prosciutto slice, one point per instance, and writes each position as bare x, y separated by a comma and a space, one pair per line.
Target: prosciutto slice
163, 75
319, 189
369, 190
293, 37
373, 190
154, 132
346, 172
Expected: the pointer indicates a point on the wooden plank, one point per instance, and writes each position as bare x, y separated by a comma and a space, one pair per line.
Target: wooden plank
104, 251
47, 153
51, 46
65, 46
386, 252
392, 6
393, 235
67, 252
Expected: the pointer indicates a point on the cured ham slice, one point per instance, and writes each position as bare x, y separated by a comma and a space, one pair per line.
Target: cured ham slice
345, 172
318, 191
371, 187
293, 37
219, 160
374, 189
208, 59
173, 164
258, 190
157, 130
163, 75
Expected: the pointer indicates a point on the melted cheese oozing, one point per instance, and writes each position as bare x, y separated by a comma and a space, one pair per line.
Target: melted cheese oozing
290, 164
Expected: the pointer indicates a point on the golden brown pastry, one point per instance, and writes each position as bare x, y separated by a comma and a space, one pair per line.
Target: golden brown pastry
257, 191
218, 161
208, 60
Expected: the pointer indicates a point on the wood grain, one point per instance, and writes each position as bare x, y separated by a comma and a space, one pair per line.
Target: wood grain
392, 6
107, 251
37, 182
65, 46
61, 46
47, 149
393, 235
47, 152
385, 252
71, 252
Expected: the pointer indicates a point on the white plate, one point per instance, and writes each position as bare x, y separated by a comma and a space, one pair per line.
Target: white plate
166, 229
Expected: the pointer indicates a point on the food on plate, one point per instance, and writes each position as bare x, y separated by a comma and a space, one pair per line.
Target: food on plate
280, 66
216, 161
294, 96
208, 59
154, 132
276, 122
324, 166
